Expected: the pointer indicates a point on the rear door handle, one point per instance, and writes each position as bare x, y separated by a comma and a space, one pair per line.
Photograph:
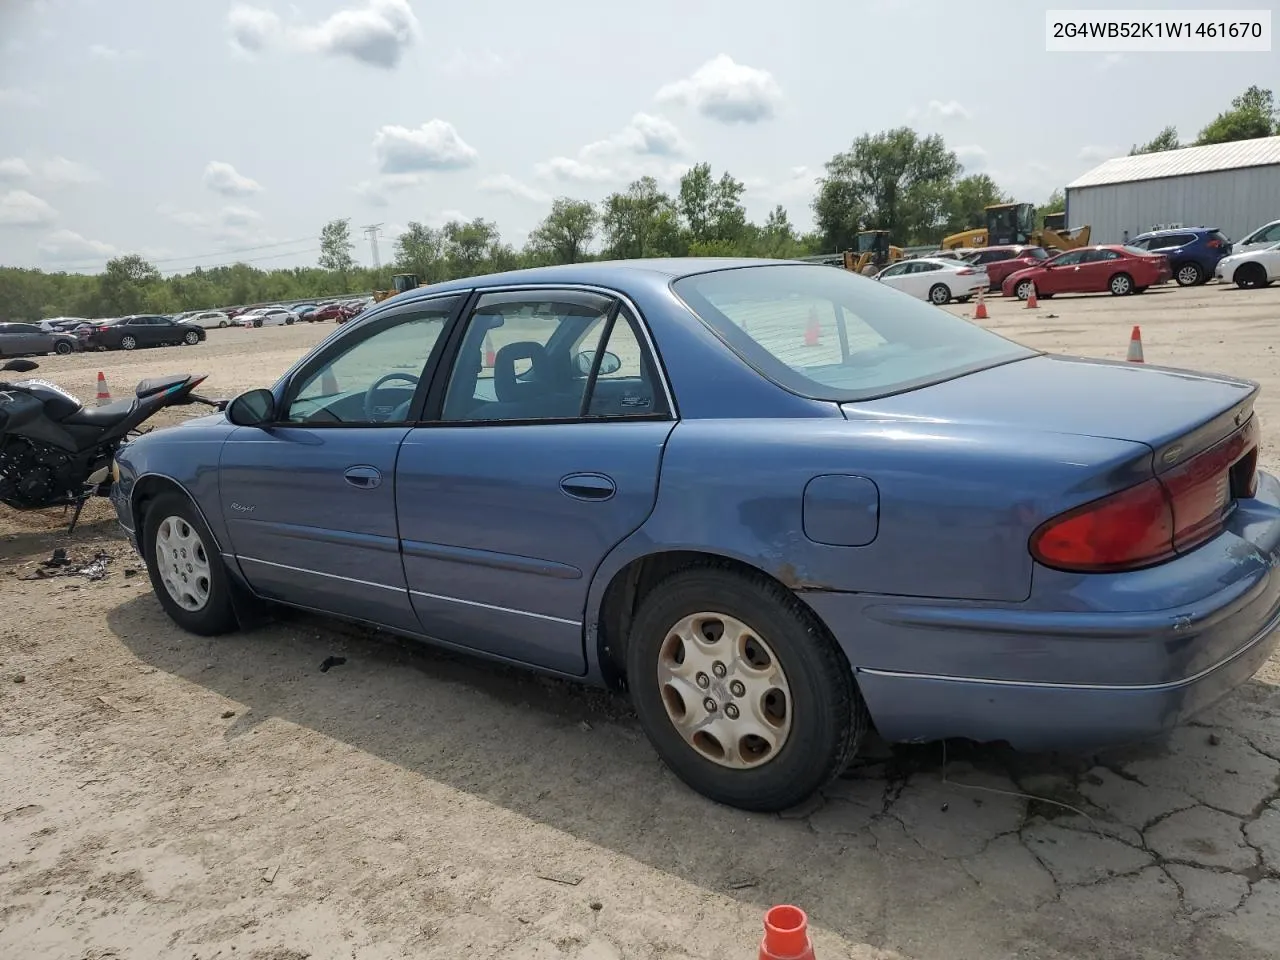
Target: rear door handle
364, 477
588, 486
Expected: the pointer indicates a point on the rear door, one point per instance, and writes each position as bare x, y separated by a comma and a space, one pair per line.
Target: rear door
534, 466
310, 501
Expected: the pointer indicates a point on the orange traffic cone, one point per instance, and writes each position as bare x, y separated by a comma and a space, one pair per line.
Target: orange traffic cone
104, 395
786, 935
1032, 303
328, 382
490, 357
813, 330
980, 313
1135, 346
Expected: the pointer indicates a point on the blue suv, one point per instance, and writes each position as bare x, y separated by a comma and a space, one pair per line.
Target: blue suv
1193, 252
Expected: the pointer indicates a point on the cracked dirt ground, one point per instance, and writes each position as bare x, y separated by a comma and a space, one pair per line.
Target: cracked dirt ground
167, 796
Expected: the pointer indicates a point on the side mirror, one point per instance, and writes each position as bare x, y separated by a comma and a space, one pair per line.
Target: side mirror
609, 363
20, 366
252, 409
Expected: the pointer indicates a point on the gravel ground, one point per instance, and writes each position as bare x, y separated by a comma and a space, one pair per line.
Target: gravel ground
164, 796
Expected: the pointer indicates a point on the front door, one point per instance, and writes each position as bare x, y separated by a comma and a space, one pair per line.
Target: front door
310, 500
512, 497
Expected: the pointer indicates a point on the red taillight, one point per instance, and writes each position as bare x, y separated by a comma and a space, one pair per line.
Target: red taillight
1157, 519
1214, 243
963, 272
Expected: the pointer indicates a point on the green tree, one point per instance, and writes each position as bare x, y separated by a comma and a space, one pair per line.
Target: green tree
420, 251
125, 284
335, 249
566, 233
1252, 115
468, 245
1166, 139
966, 202
712, 210
643, 222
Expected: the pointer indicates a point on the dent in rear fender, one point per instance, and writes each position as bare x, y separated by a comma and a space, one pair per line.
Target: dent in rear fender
957, 504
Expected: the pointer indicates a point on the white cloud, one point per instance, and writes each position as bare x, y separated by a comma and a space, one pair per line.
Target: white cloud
13, 169
223, 178
18, 208
376, 33
506, 184
645, 146
69, 245
371, 193
973, 157
61, 170
797, 184
238, 216
645, 135
441, 217
567, 168
726, 91
17, 97
1097, 152
948, 110
433, 146
184, 218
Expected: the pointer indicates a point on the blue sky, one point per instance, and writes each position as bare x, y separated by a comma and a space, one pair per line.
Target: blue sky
200, 132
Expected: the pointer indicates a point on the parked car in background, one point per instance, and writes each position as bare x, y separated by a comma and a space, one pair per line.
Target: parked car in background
303, 311
913, 525
1259, 239
27, 339
935, 279
266, 317
327, 311
1255, 268
1115, 268
209, 319
142, 330
1193, 252
60, 324
1003, 260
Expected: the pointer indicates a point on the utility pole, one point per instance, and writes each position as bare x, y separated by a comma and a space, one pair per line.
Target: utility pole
371, 231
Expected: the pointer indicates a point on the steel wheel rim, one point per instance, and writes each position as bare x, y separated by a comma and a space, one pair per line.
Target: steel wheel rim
724, 690
183, 564
1188, 275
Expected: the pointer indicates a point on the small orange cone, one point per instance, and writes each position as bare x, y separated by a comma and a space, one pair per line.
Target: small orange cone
1032, 302
813, 330
490, 357
981, 312
104, 395
1135, 346
786, 935
328, 382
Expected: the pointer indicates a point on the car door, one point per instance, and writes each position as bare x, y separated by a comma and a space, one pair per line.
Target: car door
1063, 276
895, 276
513, 494
310, 500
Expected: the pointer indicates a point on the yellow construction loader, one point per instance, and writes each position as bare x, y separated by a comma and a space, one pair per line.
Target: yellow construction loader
400, 283
1009, 223
873, 253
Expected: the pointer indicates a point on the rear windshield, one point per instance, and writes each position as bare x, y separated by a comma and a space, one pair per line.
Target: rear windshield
829, 334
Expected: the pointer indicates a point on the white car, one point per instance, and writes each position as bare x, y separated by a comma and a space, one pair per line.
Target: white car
934, 279
208, 319
1256, 268
1260, 239
266, 317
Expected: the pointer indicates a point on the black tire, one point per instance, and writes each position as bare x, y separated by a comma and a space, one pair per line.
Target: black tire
1024, 289
1120, 285
939, 294
191, 338
1139, 289
1249, 276
1188, 274
825, 729
963, 299
257, 322
217, 616
62, 347
128, 343
288, 321
221, 324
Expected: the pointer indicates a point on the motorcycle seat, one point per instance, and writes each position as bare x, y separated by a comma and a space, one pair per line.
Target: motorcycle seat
153, 385
104, 416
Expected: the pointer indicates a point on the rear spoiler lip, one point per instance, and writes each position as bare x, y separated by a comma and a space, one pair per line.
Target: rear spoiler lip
1200, 438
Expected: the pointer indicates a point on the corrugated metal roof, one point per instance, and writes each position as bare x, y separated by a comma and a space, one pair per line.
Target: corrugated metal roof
1177, 163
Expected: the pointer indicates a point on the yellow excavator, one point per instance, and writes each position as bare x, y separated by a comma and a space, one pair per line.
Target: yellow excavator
400, 283
873, 253
1016, 223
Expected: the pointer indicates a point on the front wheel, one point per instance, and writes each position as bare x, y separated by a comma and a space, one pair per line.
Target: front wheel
128, 343
1121, 285
62, 347
939, 294
288, 321
221, 324
1251, 275
1024, 289
191, 339
186, 570
740, 690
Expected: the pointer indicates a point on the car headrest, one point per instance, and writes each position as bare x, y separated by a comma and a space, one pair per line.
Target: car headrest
505, 384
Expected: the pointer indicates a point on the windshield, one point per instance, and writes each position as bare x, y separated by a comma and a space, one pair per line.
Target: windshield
829, 334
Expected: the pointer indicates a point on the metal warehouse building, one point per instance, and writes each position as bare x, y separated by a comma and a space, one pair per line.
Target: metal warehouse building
1232, 186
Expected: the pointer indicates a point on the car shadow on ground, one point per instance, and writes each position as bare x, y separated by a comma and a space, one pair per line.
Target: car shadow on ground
907, 839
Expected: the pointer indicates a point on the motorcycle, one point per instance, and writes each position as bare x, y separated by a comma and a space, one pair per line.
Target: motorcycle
56, 452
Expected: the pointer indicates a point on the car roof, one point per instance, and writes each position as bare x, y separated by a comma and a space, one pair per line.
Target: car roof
1168, 230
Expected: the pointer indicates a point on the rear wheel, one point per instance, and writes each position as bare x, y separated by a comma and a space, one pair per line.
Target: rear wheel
939, 294
62, 347
1251, 275
186, 570
221, 324
740, 690
1121, 285
1188, 274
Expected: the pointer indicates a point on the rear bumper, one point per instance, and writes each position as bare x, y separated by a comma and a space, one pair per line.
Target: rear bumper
1122, 657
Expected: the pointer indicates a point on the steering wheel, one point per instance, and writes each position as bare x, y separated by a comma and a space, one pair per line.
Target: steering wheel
373, 389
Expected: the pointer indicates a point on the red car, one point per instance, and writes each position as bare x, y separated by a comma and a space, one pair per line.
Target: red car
1120, 269
327, 311
1003, 260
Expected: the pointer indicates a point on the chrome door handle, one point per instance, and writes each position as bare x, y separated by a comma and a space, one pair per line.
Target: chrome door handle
364, 477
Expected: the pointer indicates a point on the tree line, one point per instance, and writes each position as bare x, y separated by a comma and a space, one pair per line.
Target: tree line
913, 186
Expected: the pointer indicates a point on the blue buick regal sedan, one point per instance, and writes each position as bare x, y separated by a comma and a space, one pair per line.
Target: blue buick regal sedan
777, 502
